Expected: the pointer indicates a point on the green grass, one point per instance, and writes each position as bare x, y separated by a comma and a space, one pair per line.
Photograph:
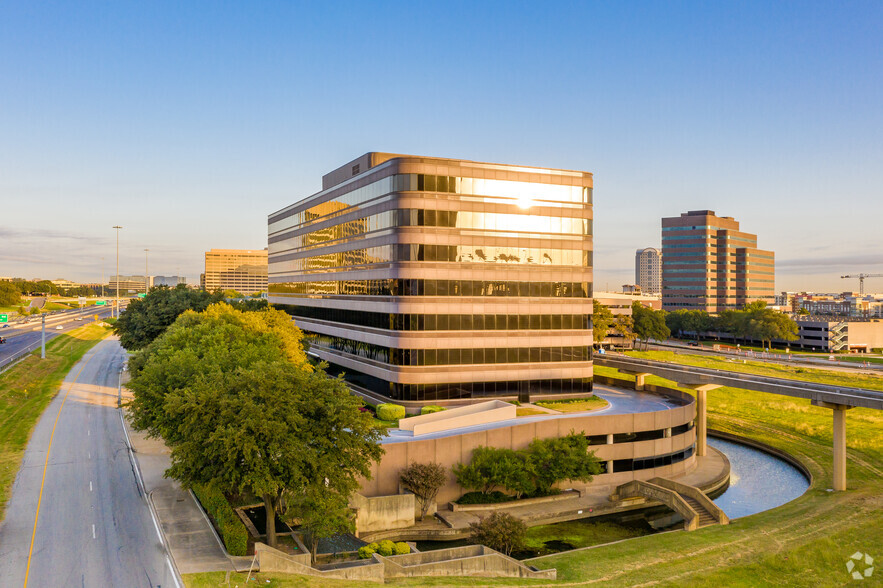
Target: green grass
580, 405
803, 543
57, 306
578, 534
801, 372
859, 358
528, 411
27, 388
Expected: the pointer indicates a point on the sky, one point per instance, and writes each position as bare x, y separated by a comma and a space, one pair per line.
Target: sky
188, 123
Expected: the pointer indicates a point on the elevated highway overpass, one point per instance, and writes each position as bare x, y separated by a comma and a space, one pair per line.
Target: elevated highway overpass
837, 398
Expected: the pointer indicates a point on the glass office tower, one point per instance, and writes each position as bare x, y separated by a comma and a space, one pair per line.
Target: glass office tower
428, 279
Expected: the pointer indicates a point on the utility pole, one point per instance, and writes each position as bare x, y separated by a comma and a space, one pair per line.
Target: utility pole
43, 338
117, 305
146, 273
102, 277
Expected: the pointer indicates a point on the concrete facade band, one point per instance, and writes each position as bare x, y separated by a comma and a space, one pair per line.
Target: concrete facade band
430, 279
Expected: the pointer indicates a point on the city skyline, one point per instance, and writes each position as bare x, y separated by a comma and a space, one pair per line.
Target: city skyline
189, 125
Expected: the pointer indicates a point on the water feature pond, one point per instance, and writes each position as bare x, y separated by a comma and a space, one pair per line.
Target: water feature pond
758, 481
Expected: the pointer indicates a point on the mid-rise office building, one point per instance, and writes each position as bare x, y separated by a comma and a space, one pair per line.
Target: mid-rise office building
648, 270
709, 264
243, 270
425, 278
128, 285
170, 281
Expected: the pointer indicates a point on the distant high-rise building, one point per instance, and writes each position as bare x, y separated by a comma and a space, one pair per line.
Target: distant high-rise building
243, 270
709, 264
648, 270
128, 284
170, 281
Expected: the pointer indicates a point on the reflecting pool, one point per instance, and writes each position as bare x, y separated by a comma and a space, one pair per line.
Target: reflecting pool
758, 480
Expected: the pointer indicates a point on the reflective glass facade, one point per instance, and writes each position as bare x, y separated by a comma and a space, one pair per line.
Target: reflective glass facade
488, 254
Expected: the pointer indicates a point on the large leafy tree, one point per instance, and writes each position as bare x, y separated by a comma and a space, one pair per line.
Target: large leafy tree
147, 318
233, 396
602, 321
10, 295
322, 512
649, 323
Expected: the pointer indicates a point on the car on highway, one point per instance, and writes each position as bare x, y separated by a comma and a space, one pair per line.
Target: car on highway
59, 327
2, 340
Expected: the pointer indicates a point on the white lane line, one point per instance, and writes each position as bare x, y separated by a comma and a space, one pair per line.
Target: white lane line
90, 455
90, 485
88, 432
172, 569
93, 531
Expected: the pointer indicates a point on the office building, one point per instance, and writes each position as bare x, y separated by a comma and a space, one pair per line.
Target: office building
709, 264
426, 278
648, 270
170, 281
243, 270
128, 285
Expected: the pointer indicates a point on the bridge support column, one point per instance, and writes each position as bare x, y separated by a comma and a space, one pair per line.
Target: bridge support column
701, 415
839, 482
639, 378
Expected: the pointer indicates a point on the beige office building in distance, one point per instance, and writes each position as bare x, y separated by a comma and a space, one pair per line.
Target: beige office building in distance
709, 264
427, 279
243, 270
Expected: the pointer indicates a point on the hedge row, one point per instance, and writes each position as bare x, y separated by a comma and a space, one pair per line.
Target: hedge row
232, 531
390, 412
385, 548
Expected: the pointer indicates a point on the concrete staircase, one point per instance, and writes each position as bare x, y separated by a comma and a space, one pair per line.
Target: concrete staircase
690, 502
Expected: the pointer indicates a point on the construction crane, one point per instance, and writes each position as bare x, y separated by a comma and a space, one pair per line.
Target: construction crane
861, 280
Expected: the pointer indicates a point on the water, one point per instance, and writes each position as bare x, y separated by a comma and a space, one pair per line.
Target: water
758, 481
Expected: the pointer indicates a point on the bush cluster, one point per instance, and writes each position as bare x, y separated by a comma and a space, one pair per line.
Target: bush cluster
390, 412
385, 548
431, 408
232, 531
533, 471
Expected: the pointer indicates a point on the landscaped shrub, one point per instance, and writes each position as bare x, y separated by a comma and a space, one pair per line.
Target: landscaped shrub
366, 552
500, 531
390, 412
482, 498
230, 527
386, 548
431, 408
424, 480
402, 548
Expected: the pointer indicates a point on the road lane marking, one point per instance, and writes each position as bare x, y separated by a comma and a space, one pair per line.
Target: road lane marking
93, 531
46, 466
90, 485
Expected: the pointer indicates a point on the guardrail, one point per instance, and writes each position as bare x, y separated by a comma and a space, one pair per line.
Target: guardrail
10, 361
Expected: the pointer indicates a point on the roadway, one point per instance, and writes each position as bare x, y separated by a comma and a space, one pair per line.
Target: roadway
81, 504
24, 335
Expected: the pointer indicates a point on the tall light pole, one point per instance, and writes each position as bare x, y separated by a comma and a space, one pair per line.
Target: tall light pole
117, 227
146, 273
102, 277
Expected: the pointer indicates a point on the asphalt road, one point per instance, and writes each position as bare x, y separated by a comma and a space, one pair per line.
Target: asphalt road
94, 527
21, 336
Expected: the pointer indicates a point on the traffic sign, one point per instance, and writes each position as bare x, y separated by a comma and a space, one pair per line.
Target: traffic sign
81, 300
142, 295
4, 318
100, 303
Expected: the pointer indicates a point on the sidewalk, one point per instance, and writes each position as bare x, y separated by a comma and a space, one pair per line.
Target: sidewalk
188, 533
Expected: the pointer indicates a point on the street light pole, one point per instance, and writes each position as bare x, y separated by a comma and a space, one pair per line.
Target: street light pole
117, 227
146, 273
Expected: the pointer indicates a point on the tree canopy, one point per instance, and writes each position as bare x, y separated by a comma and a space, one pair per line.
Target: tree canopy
649, 323
146, 318
602, 320
10, 295
234, 397
755, 321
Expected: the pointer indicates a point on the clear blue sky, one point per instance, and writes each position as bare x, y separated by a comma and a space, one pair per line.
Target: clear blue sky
188, 122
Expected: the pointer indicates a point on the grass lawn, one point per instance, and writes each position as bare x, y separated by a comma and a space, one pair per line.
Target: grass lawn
528, 411
578, 534
803, 543
27, 388
580, 405
808, 374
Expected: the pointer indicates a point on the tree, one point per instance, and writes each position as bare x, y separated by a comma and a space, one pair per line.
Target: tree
562, 458
485, 471
649, 323
602, 319
424, 480
234, 398
10, 295
146, 318
767, 324
323, 513
500, 531
624, 325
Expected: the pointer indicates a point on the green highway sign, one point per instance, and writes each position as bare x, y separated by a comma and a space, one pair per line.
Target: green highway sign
100, 303
4, 318
142, 295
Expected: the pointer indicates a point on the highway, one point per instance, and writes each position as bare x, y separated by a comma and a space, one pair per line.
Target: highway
24, 335
81, 505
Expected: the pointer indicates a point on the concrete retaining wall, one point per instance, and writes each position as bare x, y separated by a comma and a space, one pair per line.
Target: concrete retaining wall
273, 560
472, 560
380, 513
565, 495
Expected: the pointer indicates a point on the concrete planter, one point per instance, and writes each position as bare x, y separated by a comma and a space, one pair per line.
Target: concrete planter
565, 495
